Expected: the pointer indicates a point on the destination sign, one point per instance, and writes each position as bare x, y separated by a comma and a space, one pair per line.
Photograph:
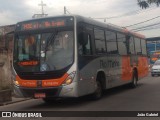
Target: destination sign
28, 63
44, 23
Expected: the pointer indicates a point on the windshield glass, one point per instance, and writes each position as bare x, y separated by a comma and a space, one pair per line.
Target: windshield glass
157, 63
44, 52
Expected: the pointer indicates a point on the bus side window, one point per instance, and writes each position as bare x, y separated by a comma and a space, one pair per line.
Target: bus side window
122, 44
130, 45
143, 45
99, 41
84, 44
111, 42
138, 46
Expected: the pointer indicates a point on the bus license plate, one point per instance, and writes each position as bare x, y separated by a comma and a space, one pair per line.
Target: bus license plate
39, 95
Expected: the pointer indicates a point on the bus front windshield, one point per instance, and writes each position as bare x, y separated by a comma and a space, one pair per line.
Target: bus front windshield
43, 51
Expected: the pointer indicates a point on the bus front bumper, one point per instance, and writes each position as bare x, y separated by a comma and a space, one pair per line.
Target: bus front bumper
62, 91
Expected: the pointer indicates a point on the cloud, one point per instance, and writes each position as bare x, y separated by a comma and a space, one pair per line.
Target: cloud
12, 11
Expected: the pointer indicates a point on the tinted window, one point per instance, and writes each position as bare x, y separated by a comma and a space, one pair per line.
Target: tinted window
99, 41
137, 45
121, 39
157, 62
131, 45
84, 49
111, 42
143, 45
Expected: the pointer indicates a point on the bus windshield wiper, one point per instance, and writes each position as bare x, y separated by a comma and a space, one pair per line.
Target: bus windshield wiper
51, 39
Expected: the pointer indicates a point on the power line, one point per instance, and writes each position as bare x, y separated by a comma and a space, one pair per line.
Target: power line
147, 29
127, 14
143, 21
146, 26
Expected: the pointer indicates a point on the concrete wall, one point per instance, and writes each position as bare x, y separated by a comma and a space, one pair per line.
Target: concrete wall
6, 48
5, 72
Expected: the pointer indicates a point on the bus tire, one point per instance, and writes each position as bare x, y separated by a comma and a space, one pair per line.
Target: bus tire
134, 80
98, 92
49, 100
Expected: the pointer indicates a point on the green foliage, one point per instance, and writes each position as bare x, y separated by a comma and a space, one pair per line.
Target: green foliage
146, 3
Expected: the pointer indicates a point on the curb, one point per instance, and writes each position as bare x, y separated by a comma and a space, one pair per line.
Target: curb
12, 102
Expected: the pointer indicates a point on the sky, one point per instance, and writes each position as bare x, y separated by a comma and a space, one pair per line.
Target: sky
118, 12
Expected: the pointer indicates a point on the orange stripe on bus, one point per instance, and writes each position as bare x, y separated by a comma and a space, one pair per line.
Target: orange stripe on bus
26, 83
54, 82
142, 67
126, 68
45, 83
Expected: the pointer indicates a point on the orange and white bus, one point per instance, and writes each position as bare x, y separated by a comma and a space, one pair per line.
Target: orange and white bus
73, 56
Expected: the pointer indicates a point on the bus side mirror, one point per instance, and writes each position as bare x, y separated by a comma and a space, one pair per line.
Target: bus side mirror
83, 38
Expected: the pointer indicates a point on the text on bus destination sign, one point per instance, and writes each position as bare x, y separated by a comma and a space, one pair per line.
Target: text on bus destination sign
43, 24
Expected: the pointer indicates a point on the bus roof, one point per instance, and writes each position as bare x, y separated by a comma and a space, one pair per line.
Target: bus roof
108, 26
95, 23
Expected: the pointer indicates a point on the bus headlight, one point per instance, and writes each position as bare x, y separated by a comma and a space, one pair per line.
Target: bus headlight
69, 79
16, 82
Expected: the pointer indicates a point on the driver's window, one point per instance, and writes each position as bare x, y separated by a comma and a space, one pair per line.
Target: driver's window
84, 39
85, 49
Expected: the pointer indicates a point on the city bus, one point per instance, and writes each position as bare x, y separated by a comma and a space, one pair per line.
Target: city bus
72, 56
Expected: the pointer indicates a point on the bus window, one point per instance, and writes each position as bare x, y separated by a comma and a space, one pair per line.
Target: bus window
84, 49
122, 48
30, 45
131, 45
111, 42
138, 46
27, 47
99, 41
143, 44
59, 52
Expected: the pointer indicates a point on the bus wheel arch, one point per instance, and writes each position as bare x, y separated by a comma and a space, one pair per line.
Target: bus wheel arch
102, 79
100, 85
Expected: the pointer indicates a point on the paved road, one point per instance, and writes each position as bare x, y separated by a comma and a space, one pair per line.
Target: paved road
146, 97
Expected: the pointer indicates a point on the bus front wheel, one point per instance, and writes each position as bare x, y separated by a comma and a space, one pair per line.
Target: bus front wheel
49, 100
98, 93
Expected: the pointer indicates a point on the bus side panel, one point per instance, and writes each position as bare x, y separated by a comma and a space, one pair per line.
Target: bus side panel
126, 68
91, 66
142, 67
87, 70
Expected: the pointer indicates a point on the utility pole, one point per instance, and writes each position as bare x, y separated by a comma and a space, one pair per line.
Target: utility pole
65, 10
155, 45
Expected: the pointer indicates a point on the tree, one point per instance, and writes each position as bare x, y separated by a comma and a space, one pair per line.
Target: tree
146, 3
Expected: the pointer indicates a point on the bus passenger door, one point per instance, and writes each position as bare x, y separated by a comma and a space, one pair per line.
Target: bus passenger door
85, 63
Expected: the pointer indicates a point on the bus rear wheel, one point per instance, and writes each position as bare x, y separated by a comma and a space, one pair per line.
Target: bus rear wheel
49, 100
98, 93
